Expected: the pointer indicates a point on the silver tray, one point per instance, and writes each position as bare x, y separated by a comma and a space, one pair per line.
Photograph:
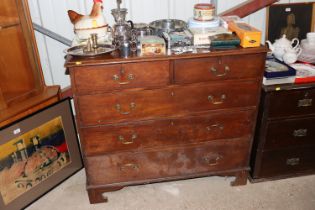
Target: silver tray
78, 50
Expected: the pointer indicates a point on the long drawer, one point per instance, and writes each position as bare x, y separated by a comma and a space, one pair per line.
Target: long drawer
123, 167
218, 68
290, 133
163, 133
292, 103
167, 102
100, 79
286, 162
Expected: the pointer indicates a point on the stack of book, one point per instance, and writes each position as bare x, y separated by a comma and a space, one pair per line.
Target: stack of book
277, 72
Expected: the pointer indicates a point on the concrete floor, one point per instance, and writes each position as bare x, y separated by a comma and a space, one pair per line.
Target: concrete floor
196, 194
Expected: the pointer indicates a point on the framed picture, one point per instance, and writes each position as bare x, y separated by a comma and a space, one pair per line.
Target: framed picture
36, 154
294, 20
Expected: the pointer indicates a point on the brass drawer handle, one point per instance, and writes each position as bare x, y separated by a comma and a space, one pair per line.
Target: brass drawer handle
125, 141
132, 106
293, 161
117, 78
215, 72
212, 160
216, 102
305, 102
132, 166
215, 126
300, 133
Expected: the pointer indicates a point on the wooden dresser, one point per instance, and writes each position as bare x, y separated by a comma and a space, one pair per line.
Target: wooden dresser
152, 119
285, 137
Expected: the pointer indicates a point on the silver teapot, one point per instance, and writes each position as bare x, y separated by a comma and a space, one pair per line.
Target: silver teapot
122, 30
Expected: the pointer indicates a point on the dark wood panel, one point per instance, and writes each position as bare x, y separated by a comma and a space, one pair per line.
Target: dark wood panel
286, 161
100, 79
163, 133
124, 167
218, 68
290, 133
173, 101
292, 103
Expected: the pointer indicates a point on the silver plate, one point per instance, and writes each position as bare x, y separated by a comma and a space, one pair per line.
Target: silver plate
78, 50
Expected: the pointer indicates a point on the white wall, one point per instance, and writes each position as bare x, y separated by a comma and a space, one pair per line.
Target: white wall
52, 14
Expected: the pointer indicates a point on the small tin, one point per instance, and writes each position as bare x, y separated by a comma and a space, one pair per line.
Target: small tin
204, 12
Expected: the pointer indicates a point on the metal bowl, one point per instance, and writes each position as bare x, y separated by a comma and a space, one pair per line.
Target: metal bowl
168, 25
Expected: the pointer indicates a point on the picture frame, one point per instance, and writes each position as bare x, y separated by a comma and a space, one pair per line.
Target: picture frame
293, 19
36, 154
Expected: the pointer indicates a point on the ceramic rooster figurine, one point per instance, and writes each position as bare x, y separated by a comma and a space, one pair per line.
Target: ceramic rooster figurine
85, 25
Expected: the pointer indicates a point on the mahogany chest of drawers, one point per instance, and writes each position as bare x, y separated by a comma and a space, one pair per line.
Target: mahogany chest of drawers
152, 119
284, 142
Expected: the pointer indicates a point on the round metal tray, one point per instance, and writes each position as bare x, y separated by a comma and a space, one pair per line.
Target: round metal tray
79, 50
168, 25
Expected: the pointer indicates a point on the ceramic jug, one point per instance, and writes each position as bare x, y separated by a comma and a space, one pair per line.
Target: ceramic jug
291, 55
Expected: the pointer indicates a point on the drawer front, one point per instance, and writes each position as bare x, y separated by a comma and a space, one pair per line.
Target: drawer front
163, 133
218, 68
175, 101
124, 167
290, 133
286, 162
292, 103
99, 79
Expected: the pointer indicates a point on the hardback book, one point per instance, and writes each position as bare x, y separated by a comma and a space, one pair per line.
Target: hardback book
225, 39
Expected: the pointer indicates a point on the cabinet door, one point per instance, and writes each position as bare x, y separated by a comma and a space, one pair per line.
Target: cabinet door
15, 69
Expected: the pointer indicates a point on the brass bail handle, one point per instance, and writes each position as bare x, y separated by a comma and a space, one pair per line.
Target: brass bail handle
126, 141
216, 73
119, 78
218, 101
132, 106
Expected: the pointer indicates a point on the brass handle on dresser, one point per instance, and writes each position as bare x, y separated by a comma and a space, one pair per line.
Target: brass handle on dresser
212, 160
300, 133
125, 141
215, 72
305, 102
132, 166
132, 106
215, 126
117, 78
293, 161
220, 101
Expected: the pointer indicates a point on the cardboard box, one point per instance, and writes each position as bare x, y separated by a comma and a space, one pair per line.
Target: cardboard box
250, 36
201, 35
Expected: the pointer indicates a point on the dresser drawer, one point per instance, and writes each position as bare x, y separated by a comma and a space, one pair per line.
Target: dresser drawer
99, 79
210, 157
163, 133
173, 101
290, 133
286, 162
292, 103
218, 68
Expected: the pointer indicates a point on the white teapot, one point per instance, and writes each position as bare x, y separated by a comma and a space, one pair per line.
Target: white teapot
280, 46
291, 55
